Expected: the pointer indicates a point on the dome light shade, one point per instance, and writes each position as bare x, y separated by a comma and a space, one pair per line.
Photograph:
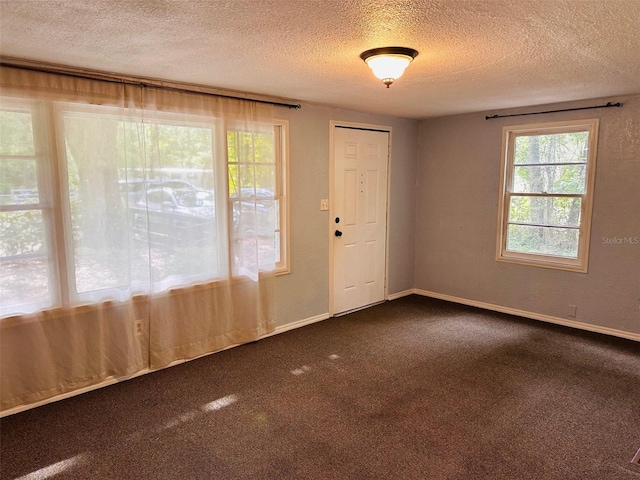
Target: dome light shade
388, 63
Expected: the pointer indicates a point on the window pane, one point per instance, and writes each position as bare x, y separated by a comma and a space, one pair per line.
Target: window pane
99, 218
174, 151
247, 174
264, 148
549, 179
266, 216
22, 233
16, 133
18, 181
245, 251
267, 250
244, 217
247, 180
560, 242
24, 282
126, 269
552, 148
252, 191
265, 180
179, 205
559, 211
180, 265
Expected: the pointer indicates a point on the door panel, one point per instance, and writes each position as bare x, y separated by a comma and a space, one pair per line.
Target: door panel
372, 197
359, 202
350, 196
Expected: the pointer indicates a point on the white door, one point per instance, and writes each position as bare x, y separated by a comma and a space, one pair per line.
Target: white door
358, 217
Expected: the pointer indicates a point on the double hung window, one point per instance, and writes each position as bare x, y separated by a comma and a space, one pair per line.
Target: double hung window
257, 196
27, 250
547, 193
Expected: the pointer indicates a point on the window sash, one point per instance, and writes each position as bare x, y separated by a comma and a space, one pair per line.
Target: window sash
280, 195
39, 153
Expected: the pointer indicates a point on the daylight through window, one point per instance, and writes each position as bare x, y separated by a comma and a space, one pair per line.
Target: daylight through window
546, 196
124, 206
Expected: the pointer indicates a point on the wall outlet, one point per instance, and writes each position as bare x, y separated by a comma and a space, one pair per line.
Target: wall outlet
324, 204
137, 328
571, 313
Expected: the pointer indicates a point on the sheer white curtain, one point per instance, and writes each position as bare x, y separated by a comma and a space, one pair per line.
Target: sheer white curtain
137, 229
215, 237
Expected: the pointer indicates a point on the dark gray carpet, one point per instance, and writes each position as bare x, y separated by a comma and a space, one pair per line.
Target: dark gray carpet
411, 389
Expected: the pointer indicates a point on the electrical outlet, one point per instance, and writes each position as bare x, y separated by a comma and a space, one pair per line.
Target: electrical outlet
571, 313
137, 327
324, 204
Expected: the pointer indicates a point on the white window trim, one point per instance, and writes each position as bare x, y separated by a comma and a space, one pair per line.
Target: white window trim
281, 144
509, 133
282, 183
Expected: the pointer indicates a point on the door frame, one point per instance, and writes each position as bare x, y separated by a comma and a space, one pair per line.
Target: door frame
331, 224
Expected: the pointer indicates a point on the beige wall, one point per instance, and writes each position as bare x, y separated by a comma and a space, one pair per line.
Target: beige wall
456, 219
304, 293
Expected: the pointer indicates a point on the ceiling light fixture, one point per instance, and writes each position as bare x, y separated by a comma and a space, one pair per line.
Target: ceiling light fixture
388, 63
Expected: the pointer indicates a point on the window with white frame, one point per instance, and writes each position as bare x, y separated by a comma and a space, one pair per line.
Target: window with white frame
121, 206
546, 196
258, 181
26, 217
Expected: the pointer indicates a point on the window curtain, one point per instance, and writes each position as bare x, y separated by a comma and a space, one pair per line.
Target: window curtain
137, 229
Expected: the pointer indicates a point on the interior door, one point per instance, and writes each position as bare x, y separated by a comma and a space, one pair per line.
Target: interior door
359, 217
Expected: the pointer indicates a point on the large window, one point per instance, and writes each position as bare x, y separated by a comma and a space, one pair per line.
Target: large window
97, 204
546, 194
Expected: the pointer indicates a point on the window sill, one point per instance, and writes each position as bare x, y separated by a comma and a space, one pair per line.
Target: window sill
542, 263
282, 271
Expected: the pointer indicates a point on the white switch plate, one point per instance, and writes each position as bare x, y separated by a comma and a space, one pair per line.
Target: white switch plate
324, 204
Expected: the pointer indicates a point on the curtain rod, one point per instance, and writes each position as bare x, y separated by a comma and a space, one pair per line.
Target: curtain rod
139, 82
608, 105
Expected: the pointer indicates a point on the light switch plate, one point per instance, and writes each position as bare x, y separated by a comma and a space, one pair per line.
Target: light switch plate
324, 204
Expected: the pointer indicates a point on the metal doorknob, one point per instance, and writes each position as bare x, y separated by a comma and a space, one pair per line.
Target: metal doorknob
338, 233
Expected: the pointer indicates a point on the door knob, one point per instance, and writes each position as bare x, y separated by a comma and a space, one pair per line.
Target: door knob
338, 233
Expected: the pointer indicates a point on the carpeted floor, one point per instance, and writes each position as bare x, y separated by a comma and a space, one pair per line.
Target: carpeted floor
410, 389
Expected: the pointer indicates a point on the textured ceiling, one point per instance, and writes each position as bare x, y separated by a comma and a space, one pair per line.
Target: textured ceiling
474, 55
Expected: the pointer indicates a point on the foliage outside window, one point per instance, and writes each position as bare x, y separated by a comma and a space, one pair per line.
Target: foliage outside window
142, 205
25, 239
547, 193
257, 193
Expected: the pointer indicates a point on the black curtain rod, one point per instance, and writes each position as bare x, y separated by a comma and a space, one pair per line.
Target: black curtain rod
608, 105
142, 83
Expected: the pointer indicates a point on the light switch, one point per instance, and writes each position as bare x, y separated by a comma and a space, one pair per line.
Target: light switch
324, 204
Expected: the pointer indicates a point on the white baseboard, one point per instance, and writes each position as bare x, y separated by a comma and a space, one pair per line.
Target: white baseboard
532, 315
105, 383
297, 324
405, 293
